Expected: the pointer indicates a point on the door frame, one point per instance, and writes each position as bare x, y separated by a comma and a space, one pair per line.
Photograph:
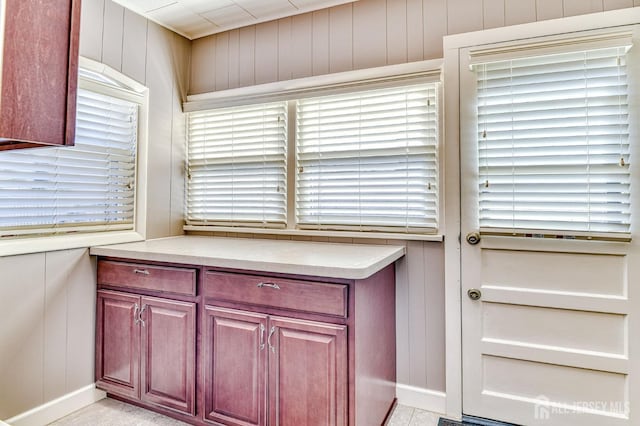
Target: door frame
451, 177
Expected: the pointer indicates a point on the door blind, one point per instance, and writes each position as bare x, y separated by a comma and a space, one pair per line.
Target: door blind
553, 143
87, 187
368, 160
237, 166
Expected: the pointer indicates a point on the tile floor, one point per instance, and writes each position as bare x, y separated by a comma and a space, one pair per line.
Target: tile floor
109, 412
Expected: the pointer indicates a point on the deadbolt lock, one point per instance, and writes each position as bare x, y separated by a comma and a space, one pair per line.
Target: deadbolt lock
474, 294
473, 238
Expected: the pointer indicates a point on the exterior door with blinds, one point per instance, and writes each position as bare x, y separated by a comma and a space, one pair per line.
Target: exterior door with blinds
549, 251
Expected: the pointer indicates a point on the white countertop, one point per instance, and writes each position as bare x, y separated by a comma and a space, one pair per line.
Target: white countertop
334, 260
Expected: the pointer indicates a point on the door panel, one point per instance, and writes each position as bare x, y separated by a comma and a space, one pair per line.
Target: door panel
550, 341
168, 356
118, 343
307, 373
235, 367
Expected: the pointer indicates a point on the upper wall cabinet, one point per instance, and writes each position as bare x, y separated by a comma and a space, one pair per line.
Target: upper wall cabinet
39, 64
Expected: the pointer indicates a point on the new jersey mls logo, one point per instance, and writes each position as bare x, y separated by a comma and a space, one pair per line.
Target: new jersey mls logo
542, 411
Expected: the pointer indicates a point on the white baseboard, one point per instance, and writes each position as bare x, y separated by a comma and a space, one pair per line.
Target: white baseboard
59, 407
424, 399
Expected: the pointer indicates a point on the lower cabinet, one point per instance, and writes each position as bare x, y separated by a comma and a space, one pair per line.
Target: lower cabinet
262, 369
145, 349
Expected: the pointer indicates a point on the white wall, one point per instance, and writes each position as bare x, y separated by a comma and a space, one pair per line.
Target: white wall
47, 300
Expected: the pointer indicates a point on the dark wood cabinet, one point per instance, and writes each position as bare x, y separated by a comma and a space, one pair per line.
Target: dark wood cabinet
39, 72
308, 379
271, 350
235, 366
145, 349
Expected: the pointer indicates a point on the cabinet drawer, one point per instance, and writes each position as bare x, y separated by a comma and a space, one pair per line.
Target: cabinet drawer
306, 296
148, 277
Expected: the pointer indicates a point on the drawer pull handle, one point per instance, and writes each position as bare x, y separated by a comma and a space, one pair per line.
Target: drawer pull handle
270, 285
141, 271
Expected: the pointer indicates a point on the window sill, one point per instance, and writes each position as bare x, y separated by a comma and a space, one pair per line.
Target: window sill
12, 247
319, 234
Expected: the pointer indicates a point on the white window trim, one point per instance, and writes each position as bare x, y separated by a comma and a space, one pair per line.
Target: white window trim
344, 82
140, 95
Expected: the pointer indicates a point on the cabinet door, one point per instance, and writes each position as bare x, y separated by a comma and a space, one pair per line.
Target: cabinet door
168, 353
118, 343
235, 367
308, 383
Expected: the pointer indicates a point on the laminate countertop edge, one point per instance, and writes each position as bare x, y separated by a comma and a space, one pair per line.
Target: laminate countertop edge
333, 260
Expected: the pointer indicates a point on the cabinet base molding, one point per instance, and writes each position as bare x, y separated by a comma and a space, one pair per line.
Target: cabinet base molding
424, 399
59, 407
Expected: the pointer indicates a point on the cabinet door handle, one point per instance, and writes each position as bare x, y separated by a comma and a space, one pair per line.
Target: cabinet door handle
136, 318
141, 271
144, 308
269, 285
261, 337
273, 330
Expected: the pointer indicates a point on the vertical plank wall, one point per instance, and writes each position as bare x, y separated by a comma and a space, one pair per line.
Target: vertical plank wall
364, 34
47, 300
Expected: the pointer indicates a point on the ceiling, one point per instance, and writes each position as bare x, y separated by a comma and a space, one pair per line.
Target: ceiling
199, 18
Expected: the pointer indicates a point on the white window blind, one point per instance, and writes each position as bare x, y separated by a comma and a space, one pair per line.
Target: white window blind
368, 160
87, 187
237, 166
553, 143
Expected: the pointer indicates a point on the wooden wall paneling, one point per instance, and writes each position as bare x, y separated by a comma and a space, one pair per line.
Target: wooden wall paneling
434, 310
636, 3
369, 34
234, 58
222, 61
403, 347
580, 7
519, 11
134, 42
302, 45
203, 65
55, 324
320, 42
397, 30
493, 13
247, 56
81, 314
91, 28
112, 36
417, 314
285, 59
267, 52
549, 9
464, 16
415, 30
161, 96
22, 300
616, 4
341, 38
435, 27
181, 53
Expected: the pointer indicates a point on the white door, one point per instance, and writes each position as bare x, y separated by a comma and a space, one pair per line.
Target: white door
551, 338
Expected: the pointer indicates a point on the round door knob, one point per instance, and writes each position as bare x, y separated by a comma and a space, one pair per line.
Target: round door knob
473, 238
474, 294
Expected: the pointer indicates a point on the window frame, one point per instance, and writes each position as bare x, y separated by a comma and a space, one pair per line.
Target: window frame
129, 90
346, 82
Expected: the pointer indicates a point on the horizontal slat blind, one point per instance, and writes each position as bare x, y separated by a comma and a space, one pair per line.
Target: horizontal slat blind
368, 160
87, 187
553, 143
237, 166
